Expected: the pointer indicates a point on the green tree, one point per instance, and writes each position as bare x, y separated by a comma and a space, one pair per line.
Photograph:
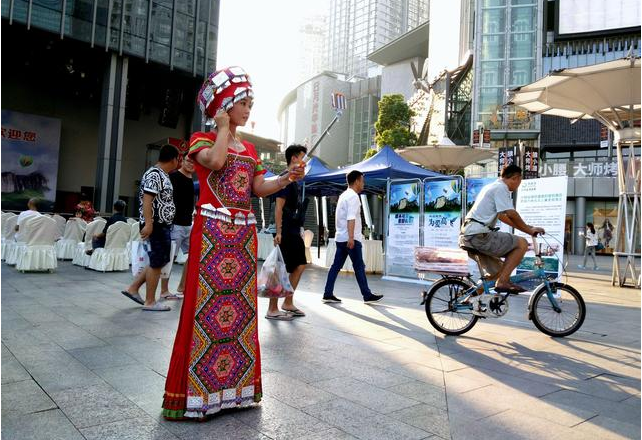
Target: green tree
371, 152
393, 124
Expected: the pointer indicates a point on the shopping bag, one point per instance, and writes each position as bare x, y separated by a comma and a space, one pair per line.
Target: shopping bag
273, 280
140, 259
167, 269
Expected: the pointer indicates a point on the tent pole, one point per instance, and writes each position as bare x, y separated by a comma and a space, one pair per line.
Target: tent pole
320, 225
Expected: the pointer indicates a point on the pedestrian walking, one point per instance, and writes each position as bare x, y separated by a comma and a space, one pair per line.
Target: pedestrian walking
184, 202
215, 361
348, 240
289, 216
590, 236
156, 216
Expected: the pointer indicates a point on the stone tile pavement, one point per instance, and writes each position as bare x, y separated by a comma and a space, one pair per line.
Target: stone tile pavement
80, 361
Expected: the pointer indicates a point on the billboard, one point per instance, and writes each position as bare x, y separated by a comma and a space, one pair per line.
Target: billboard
30, 147
596, 16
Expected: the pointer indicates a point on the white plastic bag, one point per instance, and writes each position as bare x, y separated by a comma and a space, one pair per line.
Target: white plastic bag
140, 259
273, 280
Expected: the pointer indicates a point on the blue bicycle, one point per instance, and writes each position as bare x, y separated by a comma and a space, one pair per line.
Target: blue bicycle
456, 302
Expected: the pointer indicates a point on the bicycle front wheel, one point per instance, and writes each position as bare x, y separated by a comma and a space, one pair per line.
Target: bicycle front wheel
563, 320
444, 309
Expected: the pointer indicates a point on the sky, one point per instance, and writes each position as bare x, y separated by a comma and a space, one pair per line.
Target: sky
262, 38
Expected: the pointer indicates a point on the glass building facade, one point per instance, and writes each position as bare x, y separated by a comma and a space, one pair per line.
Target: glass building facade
363, 114
178, 33
506, 48
359, 27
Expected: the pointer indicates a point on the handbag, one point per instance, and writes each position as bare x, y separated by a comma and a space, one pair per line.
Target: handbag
599, 246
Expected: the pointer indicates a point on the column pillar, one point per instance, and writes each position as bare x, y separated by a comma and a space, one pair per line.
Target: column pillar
580, 224
110, 141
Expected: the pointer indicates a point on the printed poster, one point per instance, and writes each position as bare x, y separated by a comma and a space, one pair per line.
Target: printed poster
473, 187
542, 202
30, 146
403, 228
442, 213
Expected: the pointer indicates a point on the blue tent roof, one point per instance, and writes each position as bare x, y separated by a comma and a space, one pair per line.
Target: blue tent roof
384, 165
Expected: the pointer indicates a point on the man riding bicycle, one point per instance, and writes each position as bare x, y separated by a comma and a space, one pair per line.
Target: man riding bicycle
480, 234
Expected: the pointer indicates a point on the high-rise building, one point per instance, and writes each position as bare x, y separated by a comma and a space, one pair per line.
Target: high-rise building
119, 77
359, 27
313, 46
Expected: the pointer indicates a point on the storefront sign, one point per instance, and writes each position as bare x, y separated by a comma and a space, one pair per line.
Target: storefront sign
403, 228
30, 146
506, 156
442, 212
314, 123
542, 202
579, 169
531, 162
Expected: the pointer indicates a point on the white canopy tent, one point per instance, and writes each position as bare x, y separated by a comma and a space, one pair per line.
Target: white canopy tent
610, 93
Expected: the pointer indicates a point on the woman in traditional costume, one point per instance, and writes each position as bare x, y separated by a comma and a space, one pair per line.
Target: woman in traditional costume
216, 362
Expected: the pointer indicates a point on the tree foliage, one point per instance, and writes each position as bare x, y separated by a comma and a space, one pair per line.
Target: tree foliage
393, 124
371, 152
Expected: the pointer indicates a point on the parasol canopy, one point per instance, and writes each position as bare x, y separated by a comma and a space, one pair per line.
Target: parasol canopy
445, 157
609, 92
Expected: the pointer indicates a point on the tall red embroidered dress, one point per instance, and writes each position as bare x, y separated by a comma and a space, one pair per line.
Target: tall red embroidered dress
216, 360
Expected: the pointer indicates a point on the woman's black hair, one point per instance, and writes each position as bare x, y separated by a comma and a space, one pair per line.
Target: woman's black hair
591, 227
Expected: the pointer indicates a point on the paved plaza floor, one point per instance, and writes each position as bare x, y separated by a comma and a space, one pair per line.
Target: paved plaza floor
79, 360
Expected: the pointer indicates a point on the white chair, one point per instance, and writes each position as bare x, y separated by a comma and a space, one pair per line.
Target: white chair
114, 255
66, 246
308, 236
133, 236
80, 257
12, 245
38, 252
9, 221
99, 218
61, 222
131, 221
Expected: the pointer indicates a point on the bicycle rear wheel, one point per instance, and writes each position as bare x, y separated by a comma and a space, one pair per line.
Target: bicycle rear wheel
564, 321
443, 309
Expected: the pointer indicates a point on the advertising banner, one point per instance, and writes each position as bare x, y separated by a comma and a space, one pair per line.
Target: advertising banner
403, 227
473, 187
30, 146
442, 212
542, 202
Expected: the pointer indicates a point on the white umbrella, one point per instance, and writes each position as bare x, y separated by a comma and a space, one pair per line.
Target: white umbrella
446, 156
610, 93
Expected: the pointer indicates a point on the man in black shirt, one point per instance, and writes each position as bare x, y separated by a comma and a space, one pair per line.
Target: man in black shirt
289, 216
184, 201
98, 240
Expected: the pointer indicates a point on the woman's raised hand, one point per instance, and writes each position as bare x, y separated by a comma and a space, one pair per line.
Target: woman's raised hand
222, 119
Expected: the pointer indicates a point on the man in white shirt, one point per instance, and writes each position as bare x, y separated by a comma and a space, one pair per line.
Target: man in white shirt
348, 239
479, 232
32, 211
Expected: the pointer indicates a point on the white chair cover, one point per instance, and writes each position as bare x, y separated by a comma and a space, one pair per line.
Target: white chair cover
308, 236
9, 220
114, 255
99, 218
38, 252
61, 222
12, 245
66, 246
131, 221
134, 236
80, 256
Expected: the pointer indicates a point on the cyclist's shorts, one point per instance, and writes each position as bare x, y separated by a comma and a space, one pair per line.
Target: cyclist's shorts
494, 243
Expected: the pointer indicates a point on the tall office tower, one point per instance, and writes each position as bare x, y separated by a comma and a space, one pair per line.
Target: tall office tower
313, 46
358, 27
